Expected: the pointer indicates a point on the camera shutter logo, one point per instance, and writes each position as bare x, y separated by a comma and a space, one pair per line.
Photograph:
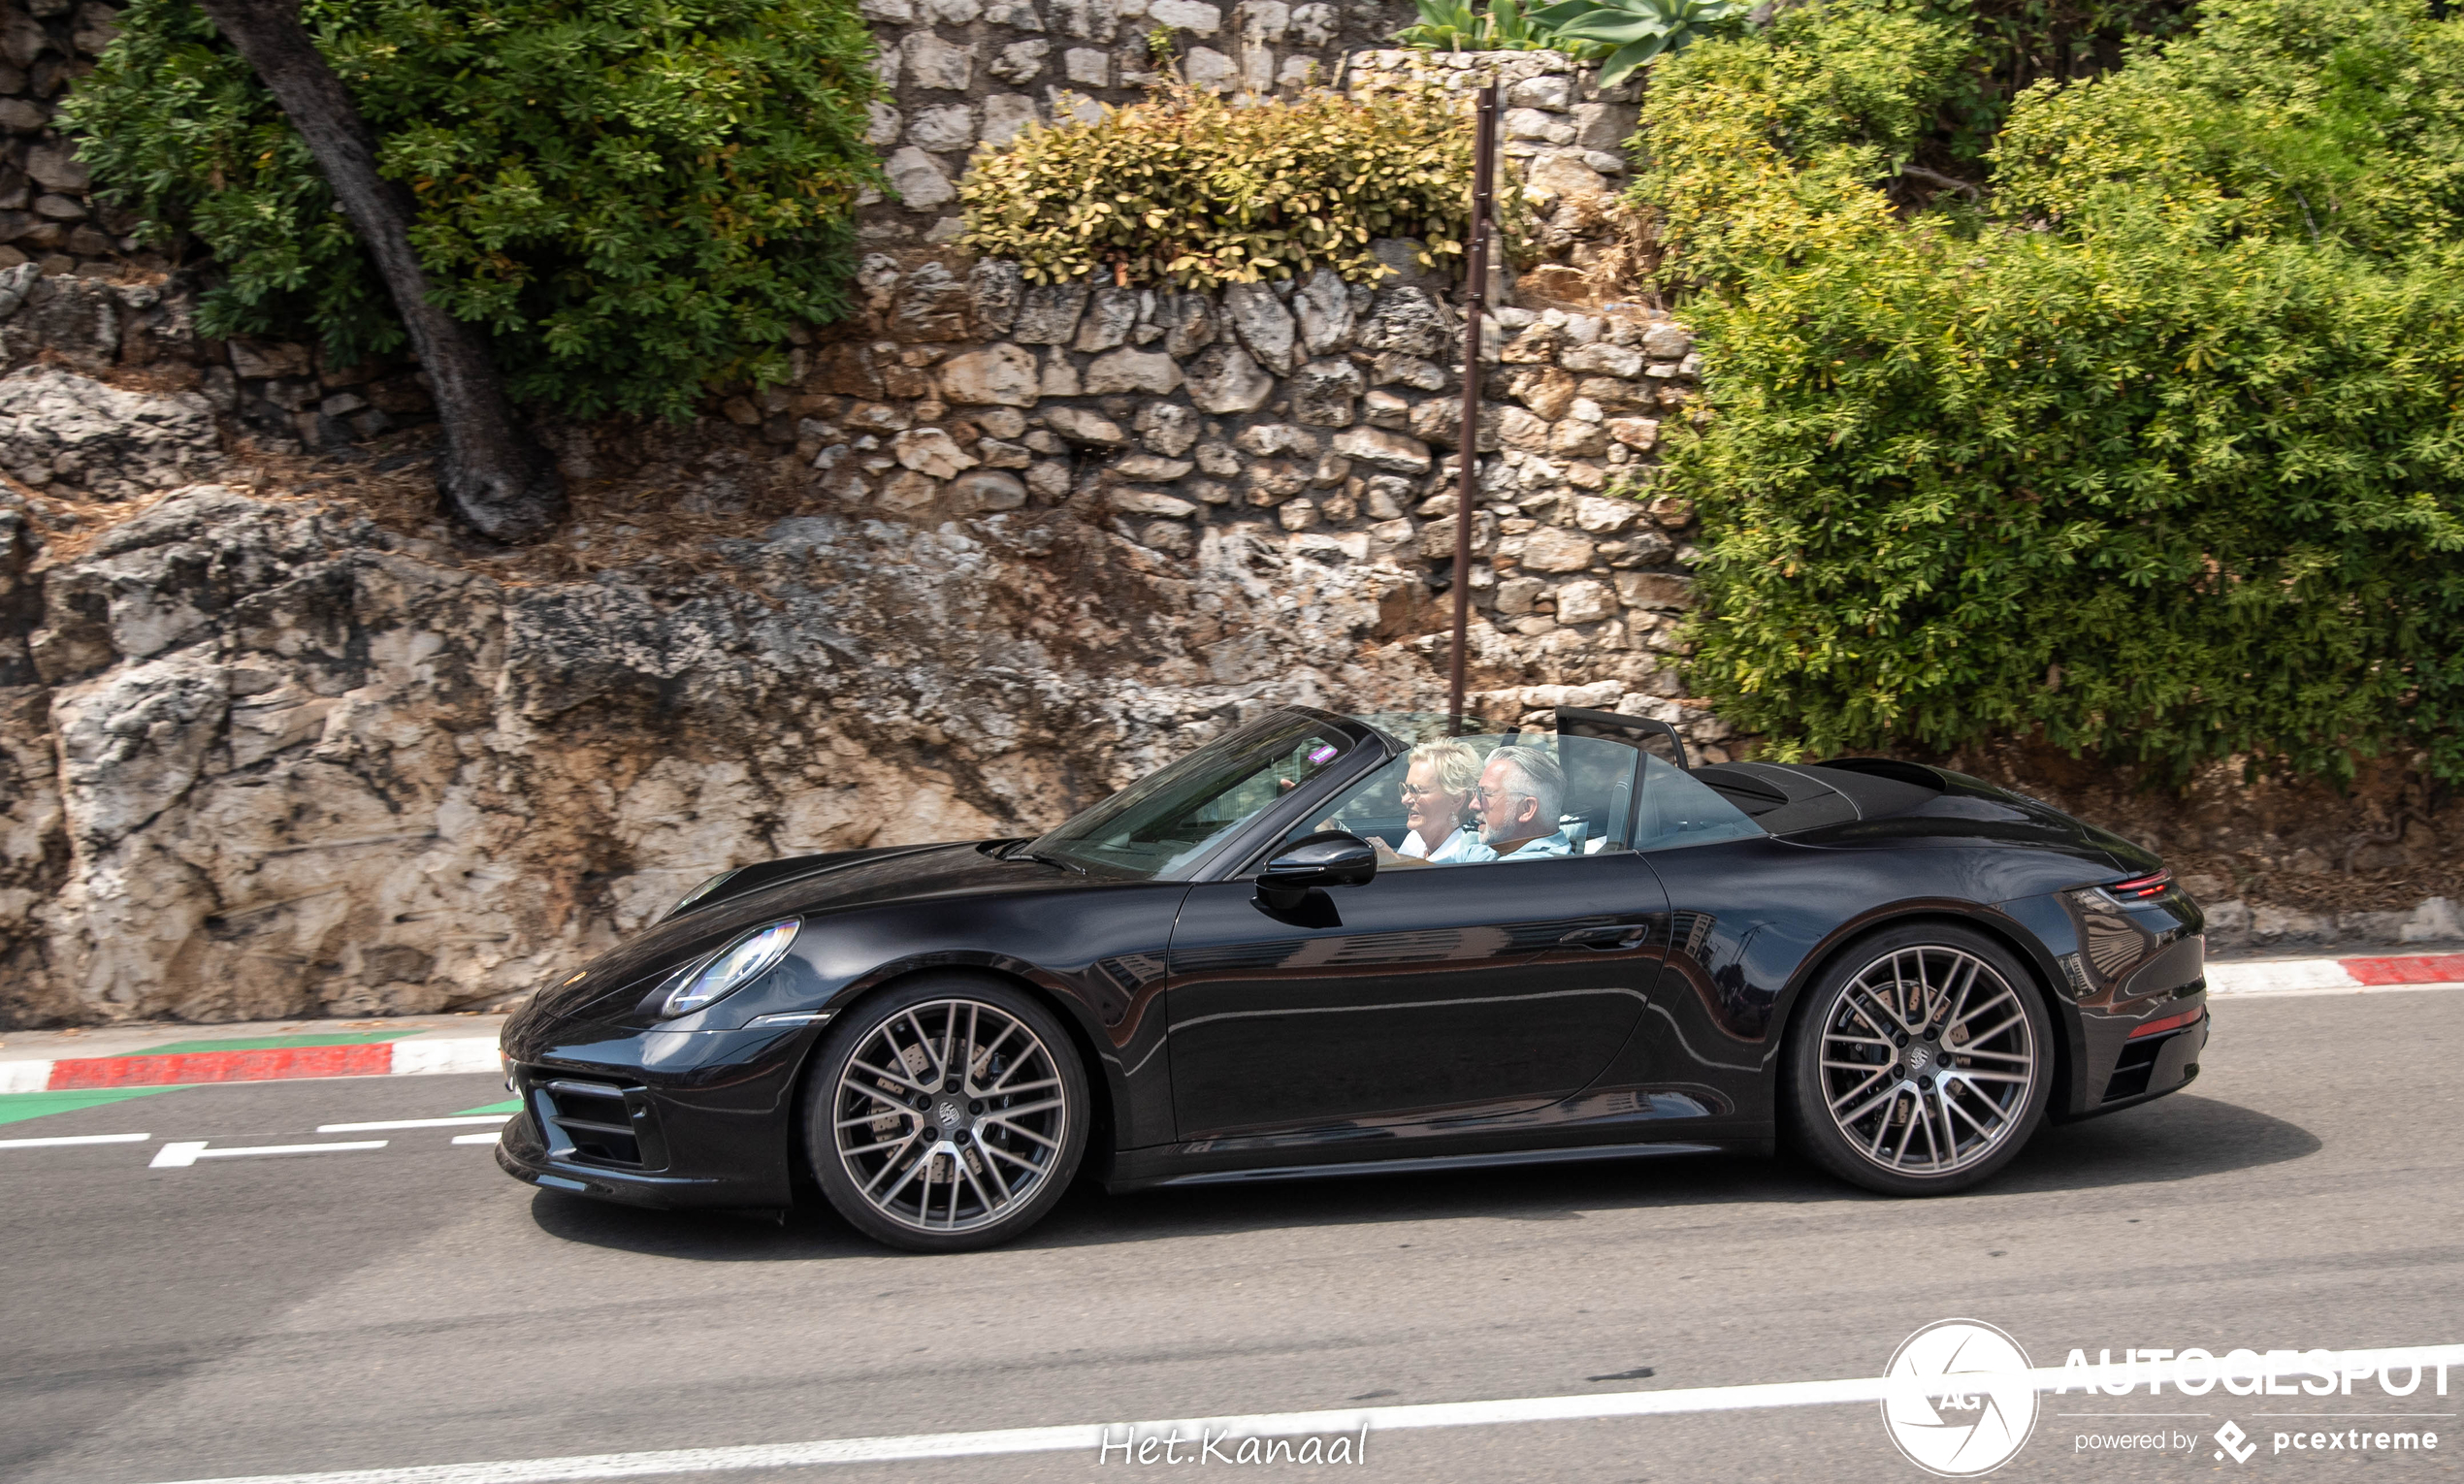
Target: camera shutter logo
1958, 1400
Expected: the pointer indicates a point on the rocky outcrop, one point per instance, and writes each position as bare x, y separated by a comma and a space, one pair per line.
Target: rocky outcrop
307, 765
56, 425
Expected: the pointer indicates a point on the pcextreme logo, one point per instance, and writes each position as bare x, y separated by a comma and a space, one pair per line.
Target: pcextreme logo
1959, 1400
2234, 1441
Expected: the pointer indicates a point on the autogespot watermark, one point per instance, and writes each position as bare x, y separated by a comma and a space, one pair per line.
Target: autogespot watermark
1961, 1400
1227, 1445
2248, 1373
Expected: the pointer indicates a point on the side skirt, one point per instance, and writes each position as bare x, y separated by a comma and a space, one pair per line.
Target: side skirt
1421, 1164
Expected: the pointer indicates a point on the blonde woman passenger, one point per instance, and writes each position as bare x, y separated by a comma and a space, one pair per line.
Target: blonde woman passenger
1437, 784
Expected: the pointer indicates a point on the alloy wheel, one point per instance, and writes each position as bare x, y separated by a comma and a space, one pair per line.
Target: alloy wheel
949, 1115
1927, 1060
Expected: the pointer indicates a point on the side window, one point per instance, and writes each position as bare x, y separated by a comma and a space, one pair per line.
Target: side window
1374, 809
1679, 809
1473, 800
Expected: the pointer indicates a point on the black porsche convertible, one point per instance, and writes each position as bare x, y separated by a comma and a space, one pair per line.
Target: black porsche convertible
1324, 945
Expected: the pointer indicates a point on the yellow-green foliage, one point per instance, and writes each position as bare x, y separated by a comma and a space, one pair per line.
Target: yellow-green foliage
1764, 151
1187, 189
2157, 450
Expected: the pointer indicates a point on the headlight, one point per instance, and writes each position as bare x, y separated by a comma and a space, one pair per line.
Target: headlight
736, 965
700, 891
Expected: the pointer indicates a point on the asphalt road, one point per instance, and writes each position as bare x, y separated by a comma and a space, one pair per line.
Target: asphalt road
410, 1305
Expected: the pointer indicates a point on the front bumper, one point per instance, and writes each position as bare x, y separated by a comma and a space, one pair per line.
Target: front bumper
659, 1119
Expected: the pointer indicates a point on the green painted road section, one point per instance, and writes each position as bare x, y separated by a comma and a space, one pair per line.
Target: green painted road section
508, 1106
17, 1107
270, 1043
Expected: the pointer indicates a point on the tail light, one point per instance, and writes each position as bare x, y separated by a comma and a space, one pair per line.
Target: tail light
2138, 888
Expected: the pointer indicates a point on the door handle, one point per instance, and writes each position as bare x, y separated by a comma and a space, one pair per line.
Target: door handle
1615, 935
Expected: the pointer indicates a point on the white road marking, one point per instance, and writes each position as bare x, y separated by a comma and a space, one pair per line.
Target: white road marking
379, 1128
455, 1053
1089, 1437
180, 1155
2285, 994
68, 1139
2279, 975
478, 1138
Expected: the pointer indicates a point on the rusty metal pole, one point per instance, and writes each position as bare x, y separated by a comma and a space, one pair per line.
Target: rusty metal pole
1468, 439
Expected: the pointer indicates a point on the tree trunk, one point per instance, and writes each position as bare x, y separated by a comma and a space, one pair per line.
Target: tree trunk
494, 474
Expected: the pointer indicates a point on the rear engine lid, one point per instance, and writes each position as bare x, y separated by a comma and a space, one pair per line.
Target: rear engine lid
1791, 798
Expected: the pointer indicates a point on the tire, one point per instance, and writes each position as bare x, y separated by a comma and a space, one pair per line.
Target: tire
1001, 1129
1921, 1061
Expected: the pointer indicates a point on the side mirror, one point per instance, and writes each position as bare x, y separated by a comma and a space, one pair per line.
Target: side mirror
1330, 858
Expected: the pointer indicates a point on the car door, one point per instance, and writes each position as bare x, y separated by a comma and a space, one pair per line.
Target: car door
1429, 994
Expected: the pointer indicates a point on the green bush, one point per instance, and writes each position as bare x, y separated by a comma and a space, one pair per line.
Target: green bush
2158, 452
1186, 188
635, 199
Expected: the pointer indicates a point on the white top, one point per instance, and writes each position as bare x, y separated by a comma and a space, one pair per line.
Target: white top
1461, 848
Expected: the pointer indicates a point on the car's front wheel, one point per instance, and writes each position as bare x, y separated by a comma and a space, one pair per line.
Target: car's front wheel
1922, 1061
946, 1114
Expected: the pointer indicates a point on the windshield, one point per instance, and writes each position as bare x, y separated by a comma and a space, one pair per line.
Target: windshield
1166, 822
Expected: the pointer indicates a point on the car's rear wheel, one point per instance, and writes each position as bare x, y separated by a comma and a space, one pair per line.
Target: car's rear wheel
1922, 1061
946, 1114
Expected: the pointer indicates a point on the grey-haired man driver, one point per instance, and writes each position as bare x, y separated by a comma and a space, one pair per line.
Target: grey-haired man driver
1521, 791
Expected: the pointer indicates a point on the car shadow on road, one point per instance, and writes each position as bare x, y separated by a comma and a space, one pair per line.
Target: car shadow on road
2172, 1138
2178, 1138
809, 1231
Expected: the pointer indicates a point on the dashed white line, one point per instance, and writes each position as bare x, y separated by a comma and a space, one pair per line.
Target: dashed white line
180, 1154
393, 1123
63, 1139
489, 1138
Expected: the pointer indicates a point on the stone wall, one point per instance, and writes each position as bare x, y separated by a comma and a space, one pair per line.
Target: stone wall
44, 215
955, 74
1317, 415
79, 294
1561, 133
58, 334
959, 73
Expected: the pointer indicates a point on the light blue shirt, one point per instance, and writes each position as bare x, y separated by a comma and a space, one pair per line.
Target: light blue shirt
1534, 850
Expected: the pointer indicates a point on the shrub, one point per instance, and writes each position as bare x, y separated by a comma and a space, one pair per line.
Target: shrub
2158, 453
636, 199
1187, 189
